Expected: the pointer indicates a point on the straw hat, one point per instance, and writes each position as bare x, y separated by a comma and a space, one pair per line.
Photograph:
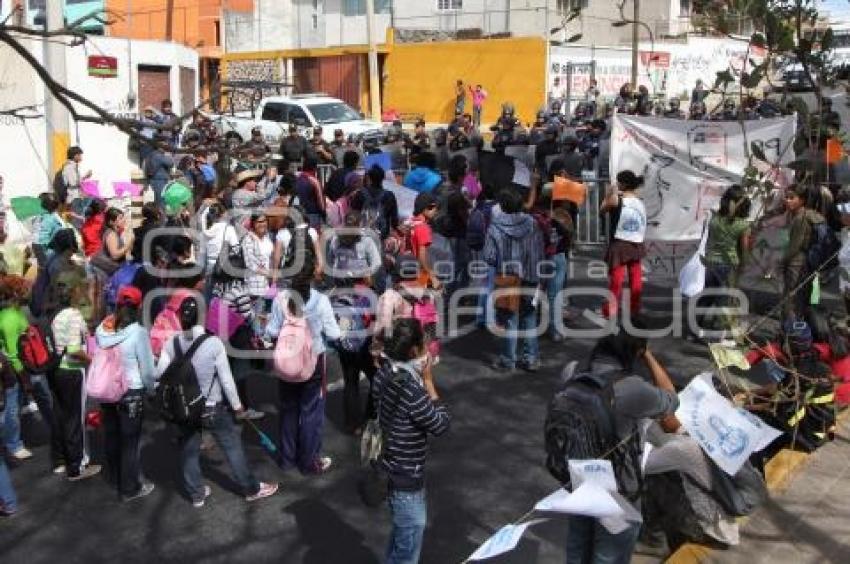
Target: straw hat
246, 175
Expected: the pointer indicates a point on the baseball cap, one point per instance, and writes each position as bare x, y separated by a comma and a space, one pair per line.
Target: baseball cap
129, 295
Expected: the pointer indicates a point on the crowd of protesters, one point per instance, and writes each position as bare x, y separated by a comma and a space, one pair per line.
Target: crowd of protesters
245, 262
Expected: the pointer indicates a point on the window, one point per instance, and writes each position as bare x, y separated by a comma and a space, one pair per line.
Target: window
684, 8
274, 111
218, 33
358, 7
297, 116
315, 21
333, 113
567, 6
449, 5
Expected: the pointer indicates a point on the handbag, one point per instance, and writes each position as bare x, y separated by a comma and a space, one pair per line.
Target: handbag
103, 262
509, 298
231, 260
692, 275
373, 483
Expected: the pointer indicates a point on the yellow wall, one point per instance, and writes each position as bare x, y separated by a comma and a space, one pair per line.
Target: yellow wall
420, 77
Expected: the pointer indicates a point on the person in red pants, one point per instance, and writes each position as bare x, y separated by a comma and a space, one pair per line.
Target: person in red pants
625, 248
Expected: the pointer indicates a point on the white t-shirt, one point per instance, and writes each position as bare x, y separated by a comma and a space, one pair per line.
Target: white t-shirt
632, 224
284, 236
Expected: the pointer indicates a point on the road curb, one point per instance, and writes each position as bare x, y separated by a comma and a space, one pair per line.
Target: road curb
779, 472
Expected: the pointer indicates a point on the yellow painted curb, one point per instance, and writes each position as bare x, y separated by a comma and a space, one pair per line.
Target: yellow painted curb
778, 473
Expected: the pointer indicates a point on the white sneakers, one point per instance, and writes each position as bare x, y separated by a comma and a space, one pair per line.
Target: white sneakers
265, 490
22, 454
200, 503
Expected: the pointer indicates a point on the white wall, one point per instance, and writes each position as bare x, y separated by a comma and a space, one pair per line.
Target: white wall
24, 164
269, 27
341, 29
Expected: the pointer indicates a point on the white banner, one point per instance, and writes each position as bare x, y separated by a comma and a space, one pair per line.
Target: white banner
687, 165
725, 434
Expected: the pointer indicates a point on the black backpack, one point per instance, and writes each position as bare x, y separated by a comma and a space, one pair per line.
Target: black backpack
179, 394
823, 248
60, 189
580, 425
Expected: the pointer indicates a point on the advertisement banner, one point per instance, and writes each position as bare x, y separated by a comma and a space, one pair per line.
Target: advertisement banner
687, 165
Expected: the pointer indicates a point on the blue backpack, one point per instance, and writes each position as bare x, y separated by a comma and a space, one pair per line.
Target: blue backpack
351, 311
123, 277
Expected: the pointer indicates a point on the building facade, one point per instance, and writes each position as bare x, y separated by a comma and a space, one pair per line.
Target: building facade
305, 24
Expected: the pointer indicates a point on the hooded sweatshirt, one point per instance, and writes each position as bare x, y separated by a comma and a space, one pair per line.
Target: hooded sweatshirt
514, 245
135, 346
422, 179
320, 317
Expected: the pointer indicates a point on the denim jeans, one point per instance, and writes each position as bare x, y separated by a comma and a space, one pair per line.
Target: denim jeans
409, 512
122, 426
302, 415
554, 285
522, 324
717, 276
7, 492
588, 542
227, 436
485, 314
10, 422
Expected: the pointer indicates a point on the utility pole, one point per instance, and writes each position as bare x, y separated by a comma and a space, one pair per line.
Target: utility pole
374, 83
635, 20
58, 137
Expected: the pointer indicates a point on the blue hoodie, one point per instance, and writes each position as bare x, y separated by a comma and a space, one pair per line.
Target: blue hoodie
135, 344
423, 179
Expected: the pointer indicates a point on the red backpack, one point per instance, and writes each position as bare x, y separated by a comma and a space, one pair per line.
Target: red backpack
37, 349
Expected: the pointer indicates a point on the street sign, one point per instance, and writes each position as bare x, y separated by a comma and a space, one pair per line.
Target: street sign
103, 66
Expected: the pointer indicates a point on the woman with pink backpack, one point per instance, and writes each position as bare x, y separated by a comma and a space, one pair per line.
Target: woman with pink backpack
122, 420
302, 321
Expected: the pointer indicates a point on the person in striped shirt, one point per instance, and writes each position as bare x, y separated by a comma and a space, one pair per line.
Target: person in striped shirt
409, 410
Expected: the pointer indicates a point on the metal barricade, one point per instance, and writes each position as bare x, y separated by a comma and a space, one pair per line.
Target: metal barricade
591, 228
324, 172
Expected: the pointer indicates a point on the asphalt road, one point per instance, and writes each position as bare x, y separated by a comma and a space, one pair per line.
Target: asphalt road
486, 472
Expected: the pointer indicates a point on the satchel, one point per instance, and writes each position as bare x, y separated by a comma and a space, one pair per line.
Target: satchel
509, 299
102, 261
105, 264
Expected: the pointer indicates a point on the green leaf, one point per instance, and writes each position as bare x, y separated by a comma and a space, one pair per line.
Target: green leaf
752, 80
723, 78
574, 38
757, 151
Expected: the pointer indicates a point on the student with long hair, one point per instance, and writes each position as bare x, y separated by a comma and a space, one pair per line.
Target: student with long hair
302, 405
729, 238
122, 420
66, 382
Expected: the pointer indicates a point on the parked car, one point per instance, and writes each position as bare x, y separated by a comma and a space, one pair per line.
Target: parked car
274, 114
796, 80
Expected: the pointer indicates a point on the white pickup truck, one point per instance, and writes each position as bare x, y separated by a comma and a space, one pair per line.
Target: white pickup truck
274, 114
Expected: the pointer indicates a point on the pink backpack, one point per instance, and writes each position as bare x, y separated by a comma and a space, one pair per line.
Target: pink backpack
107, 381
222, 320
336, 211
165, 326
294, 360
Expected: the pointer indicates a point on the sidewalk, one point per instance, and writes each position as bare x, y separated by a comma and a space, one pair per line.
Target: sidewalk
807, 522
